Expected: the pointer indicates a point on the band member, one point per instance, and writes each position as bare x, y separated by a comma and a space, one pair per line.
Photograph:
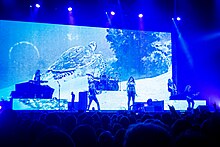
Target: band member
131, 92
92, 95
90, 78
104, 82
172, 87
37, 76
189, 94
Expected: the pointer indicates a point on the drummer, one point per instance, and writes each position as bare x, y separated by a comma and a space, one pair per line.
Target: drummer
104, 81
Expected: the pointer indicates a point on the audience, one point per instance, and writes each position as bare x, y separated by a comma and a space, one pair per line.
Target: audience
53, 136
84, 135
99, 129
147, 135
106, 139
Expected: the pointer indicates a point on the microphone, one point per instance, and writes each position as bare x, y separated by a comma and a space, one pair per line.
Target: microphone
58, 83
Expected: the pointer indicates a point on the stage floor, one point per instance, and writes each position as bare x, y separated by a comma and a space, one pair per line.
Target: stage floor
109, 100
117, 100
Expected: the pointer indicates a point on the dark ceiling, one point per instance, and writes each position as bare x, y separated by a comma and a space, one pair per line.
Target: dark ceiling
197, 15
157, 13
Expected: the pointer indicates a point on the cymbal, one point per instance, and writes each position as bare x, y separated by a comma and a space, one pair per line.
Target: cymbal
88, 74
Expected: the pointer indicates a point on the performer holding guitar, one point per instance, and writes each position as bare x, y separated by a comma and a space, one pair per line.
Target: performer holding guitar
172, 87
189, 94
92, 95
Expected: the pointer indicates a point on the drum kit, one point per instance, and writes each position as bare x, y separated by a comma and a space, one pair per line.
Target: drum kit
104, 82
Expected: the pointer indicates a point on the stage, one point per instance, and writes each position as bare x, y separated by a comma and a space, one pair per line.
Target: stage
109, 101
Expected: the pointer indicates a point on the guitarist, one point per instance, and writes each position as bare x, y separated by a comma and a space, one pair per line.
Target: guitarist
92, 95
189, 95
172, 87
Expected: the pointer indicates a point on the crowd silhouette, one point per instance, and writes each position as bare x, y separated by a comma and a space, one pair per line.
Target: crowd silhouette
103, 129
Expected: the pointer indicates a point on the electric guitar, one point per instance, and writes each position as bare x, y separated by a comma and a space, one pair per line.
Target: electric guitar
192, 96
172, 88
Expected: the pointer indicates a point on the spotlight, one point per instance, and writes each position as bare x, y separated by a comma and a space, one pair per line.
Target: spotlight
70, 9
112, 13
140, 15
37, 5
178, 18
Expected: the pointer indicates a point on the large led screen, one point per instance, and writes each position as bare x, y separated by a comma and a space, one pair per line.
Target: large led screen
69, 56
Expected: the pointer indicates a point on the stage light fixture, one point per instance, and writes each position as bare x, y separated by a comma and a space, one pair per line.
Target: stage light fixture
178, 18
37, 5
112, 13
70, 8
140, 15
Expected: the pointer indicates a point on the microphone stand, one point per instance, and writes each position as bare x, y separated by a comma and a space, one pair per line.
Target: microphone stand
120, 85
119, 79
59, 93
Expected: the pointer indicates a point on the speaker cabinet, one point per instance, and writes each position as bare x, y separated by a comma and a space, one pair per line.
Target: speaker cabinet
83, 100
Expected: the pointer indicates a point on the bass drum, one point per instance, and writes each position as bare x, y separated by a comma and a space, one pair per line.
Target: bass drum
113, 85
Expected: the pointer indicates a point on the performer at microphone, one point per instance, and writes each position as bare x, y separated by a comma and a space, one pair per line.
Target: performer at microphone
131, 91
172, 87
92, 95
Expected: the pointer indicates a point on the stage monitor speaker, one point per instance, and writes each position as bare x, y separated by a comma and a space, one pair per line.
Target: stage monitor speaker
83, 100
71, 107
149, 109
155, 106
